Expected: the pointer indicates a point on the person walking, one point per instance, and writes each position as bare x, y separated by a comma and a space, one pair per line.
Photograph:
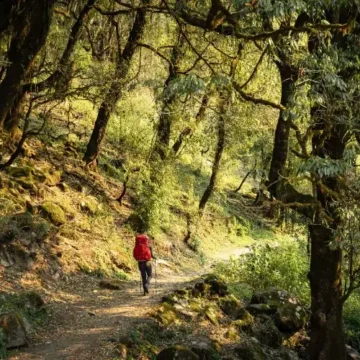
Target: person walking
143, 254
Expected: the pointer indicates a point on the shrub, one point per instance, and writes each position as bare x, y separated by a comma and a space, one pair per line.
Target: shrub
352, 320
284, 267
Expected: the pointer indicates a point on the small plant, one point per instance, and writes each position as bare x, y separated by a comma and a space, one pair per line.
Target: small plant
284, 267
352, 320
3, 351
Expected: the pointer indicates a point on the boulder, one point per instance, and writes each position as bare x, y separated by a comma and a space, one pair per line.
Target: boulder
232, 334
289, 315
217, 286
211, 314
231, 306
201, 289
177, 353
250, 350
89, 206
53, 212
267, 333
15, 329
166, 314
244, 321
290, 318
260, 309
204, 351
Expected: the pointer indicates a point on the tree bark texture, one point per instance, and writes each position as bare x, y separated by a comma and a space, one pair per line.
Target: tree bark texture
218, 154
165, 120
31, 25
281, 140
114, 93
60, 74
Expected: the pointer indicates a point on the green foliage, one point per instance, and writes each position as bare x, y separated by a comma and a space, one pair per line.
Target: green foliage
352, 320
3, 351
284, 266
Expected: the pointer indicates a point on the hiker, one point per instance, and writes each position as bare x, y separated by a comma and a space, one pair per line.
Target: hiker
143, 254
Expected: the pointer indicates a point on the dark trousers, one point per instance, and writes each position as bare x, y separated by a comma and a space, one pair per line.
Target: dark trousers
146, 274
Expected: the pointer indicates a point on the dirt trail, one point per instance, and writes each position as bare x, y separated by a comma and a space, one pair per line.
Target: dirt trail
84, 318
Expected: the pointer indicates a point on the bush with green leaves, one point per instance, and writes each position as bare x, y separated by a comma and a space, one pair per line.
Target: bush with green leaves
266, 266
352, 320
3, 352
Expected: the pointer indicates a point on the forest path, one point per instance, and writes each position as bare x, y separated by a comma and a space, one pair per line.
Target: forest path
84, 317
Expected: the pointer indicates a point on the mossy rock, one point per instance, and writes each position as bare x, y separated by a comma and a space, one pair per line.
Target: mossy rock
267, 333
231, 306
201, 289
19, 172
290, 317
177, 353
14, 327
244, 321
53, 212
89, 206
217, 285
53, 178
259, 309
212, 314
250, 350
232, 334
166, 314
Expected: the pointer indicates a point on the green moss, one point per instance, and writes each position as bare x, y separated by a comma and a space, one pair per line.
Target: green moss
53, 212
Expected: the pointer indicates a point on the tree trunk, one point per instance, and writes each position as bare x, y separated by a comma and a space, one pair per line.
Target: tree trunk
31, 26
6, 10
114, 93
164, 126
327, 335
59, 76
218, 154
188, 131
281, 141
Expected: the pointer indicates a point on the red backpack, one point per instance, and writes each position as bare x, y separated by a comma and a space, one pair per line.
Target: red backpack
142, 250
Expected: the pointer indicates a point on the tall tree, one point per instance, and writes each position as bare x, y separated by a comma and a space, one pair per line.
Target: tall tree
114, 93
31, 23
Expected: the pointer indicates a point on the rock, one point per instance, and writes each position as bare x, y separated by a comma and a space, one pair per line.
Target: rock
211, 314
232, 334
286, 354
267, 333
33, 301
53, 178
111, 284
204, 351
245, 321
166, 314
122, 352
217, 286
231, 306
351, 354
14, 328
259, 309
250, 350
177, 353
290, 318
201, 289
89, 206
53, 212
19, 172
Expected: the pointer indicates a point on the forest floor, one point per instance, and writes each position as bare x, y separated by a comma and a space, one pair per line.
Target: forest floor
85, 321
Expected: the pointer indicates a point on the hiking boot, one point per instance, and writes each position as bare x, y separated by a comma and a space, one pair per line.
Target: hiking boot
146, 292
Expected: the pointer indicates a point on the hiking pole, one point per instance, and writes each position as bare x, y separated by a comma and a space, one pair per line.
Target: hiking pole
140, 283
155, 275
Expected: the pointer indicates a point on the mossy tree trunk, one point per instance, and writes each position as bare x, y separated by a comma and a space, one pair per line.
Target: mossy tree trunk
114, 92
31, 25
61, 74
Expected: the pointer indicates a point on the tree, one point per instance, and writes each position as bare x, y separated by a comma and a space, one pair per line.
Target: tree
123, 64
31, 23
